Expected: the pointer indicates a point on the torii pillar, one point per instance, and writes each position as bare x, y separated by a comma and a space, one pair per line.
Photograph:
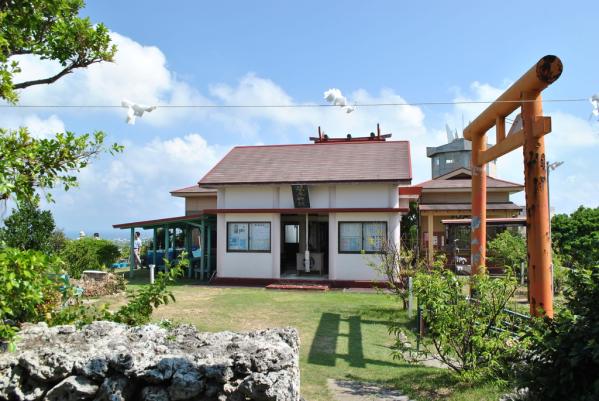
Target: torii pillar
524, 93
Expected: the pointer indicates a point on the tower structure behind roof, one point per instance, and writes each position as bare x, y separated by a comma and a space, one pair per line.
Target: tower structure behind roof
452, 156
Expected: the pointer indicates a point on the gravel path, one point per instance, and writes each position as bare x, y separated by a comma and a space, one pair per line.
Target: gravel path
347, 390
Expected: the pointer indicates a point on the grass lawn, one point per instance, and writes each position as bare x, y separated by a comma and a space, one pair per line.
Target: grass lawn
343, 335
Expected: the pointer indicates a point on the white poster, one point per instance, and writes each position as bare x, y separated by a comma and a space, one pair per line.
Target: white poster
238, 237
260, 236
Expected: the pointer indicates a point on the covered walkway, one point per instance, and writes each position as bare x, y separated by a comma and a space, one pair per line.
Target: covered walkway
192, 233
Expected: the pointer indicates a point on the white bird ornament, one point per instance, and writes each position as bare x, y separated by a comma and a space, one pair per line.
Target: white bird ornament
135, 110
336, 98
595, 102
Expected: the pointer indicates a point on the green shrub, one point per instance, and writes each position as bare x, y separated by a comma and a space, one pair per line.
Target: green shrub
467, 335
28, 227
27, 292
88, 254
141, 302
507, 249
577, 236
563, 360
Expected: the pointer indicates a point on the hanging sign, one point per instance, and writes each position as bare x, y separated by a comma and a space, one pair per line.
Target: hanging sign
301, 196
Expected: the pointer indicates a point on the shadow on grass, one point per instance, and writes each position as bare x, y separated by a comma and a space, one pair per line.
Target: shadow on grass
323, 350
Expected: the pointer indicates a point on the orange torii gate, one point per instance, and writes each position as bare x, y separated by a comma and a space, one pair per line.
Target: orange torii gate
524, 93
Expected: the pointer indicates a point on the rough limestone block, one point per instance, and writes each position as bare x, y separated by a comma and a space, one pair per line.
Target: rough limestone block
106, 361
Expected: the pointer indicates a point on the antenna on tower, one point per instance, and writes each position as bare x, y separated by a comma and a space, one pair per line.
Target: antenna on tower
451, 135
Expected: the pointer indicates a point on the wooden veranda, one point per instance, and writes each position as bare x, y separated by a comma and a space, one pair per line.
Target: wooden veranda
201, 259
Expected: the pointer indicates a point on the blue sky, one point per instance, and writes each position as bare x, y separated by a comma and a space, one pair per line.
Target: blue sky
284, 52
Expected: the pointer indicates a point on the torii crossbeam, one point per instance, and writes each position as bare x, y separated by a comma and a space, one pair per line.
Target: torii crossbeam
525, 94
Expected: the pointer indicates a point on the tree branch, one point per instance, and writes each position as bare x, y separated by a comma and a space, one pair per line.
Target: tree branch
18, 52
74, 65
48, 80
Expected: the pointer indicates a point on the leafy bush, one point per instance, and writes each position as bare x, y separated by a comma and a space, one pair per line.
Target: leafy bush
396, 265
88, 254
28, 227
141, 303
507, 250
563, 360
58, 241
468, 335
27, 292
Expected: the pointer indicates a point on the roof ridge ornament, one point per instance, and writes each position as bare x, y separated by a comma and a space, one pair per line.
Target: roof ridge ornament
378, 137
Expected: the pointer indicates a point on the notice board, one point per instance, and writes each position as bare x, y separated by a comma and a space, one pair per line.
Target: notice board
301, 196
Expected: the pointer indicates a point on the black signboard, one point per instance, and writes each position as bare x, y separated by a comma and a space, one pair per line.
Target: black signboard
301, 196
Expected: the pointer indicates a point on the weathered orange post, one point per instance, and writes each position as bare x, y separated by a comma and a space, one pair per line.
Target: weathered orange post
478, 243
524, 93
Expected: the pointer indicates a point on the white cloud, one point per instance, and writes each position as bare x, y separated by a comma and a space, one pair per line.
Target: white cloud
135, 185
571, 131
138, 73
38, 127
297, 124
169, 163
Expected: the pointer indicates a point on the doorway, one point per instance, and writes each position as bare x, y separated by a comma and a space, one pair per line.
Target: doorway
293, 246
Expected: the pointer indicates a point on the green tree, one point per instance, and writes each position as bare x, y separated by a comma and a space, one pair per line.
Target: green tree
88, 254
469, 335
58, 240
51, 30
409, 227
562, 362
28, 163
507, 249
577, 236
28, 227
27, 291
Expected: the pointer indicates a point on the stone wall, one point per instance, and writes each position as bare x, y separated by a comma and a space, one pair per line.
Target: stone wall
106, 361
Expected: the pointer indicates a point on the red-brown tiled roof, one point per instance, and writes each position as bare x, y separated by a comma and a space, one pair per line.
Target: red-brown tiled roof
194, 189
466, 183
313, 163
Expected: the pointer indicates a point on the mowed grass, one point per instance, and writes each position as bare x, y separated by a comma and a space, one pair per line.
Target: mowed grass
343, 335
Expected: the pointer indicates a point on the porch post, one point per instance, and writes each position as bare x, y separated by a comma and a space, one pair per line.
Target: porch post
430, 239
154, 240
209, 248
202, 247
166, 245
188, 250
131, 254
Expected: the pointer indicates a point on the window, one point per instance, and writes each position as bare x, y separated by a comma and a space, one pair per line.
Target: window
355, 237
292, 233
248, 237
449, 161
